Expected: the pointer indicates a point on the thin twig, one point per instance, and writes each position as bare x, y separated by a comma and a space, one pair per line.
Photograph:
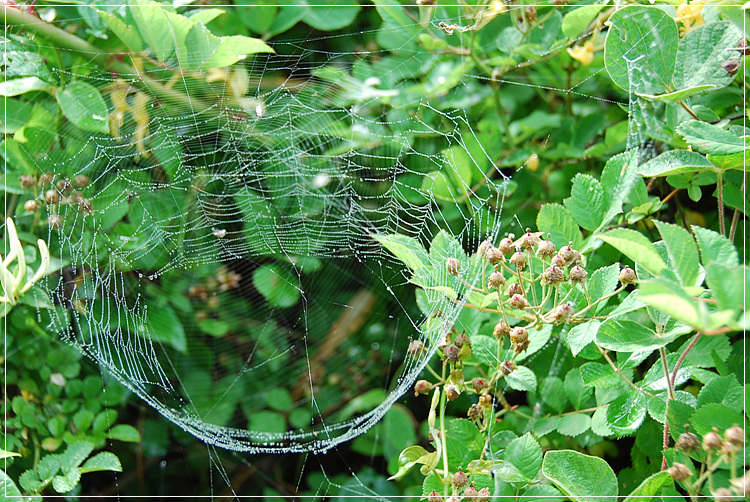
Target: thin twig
617, 370
683, 356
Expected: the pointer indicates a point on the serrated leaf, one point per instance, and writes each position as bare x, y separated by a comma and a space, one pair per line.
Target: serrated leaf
599, 423
586, 201
682, 252
716, 415
574, 425
582, 478
671, 299
84, 106
700, 54
640, 49
407, 459
728, 284
522, 378
618, 179
75, 454
711, 139
723, 390
603, 281
559, 223
715, 247
700, 355
648, 488
66, 482
526, 454
407, 249
552, 393
657, 405
209, 51
8, 488
635, 246
581, 335
102, 461
576, 389
18, 86
678, 415
676, 162
628, 336
626, 413
599, 375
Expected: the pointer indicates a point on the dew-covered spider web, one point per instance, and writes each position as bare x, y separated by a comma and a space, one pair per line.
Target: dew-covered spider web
228, 270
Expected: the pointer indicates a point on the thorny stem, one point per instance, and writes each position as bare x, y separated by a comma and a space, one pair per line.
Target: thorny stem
617, 370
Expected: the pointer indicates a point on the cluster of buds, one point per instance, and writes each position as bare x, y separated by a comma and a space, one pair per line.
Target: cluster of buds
55, 193
470, 494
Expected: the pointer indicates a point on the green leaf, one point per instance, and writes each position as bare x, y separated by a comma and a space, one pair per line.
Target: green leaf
676, 162
715, 247
75, 454
18, 86
648, 488
640, 49
700, 54
552, 393
13, 115
6, 454
574, 425
709, 138
67, 481
103, 461
723, 390
600, 375
541, 493
408, 458
559, 223
626, 413
635, 246
393, 12
83, 105
716, 415
327, 15
124, 432
580, 477
599, 423
671, 299
678, 416
576, 389
603, 281
407, 249
581, 335
274, 283
657, 405
682, 252
586, 201
522, 378
155, 28
733, 161
577, 20
209, 51
163, 325
8, 488
526, 454
628, 336
677, 96
127, 33
727, 284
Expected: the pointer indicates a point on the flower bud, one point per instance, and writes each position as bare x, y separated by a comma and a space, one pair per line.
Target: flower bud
553, 275
30, 205
723, 495
679, 472
578, 274
415, 349
518, 302
558, 261
519, 260
434, 496
530, 14
496, 280
54, 221
712, 441
483, 248
567, 253
508, 367
452, 265
452, 392
485, 401
484, 495
52, 196
501, 329
27, 181
451, 353
743, 48
687, 442
506, 245
461, 340
460, 479
561, 313
46, 178
731, 66
741, 485
546, 249
64, 186
422, 387
470, 494
479, 384
514, 289
494, 256
518, 335
81, 181
529, 240
475, 413
735, 436
627, 276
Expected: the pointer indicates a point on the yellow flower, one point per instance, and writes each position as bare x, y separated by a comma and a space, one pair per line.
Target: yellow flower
584, 54
690, 15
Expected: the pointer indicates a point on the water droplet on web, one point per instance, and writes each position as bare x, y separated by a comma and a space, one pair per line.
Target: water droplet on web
241, 56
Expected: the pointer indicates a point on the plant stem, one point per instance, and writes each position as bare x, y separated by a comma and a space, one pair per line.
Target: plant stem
617, 370
446, 472
682, 358
720, 193
670, 383
736, 215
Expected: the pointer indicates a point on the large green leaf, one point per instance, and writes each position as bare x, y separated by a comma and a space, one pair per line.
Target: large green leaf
671, 299
582, 478
581, 335
618, 179
82, 104
8, 488
525, 454
711, 139
700, 54
577, 20
164, 326
277, 285
586, 201
640, 49
628, 336
626, 413
715, 247
327, 15
102, 461
576, 389
407, 249
209, 51
637, 247
676, 162
648, 488
682, 252
559, 223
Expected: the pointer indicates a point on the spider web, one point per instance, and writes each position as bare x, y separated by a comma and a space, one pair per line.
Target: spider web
268, 214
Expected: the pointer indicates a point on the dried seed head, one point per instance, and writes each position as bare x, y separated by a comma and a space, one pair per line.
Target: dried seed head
518, 335
514, 289
518, 302
452, 265
86, 206
577, 274
452, 392
422, 387
494, 255
519, 260
508, 367
460, 479
471, 494
52, 196
81, 181
553, 275
434, 496
731, 66
529, 240
506, 245
461, 340
558, 261
46, 178
483, 495
451, 353
483, 248
561, 313
530, 14
501, 329
743, 48
712, 441
64, 186
415, 349
485, 401
27, 181
567, 253
679, 471
54, 221
687, 442
30, 205
475, 413
479, 384
723, 495
735, 436
546, 249
627, 276
454, 498
496, 280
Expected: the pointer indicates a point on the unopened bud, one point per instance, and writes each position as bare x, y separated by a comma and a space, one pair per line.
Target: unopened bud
679, 472
501, 329
731, 66
422, 387
712, 441
506, 245
577, 274
451, 353
519, 260
452, 265
518, 302
546, 249
30, 205
687, 442
52, 196
627, 276
479, 385
735, 436
496, 280
460, 479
